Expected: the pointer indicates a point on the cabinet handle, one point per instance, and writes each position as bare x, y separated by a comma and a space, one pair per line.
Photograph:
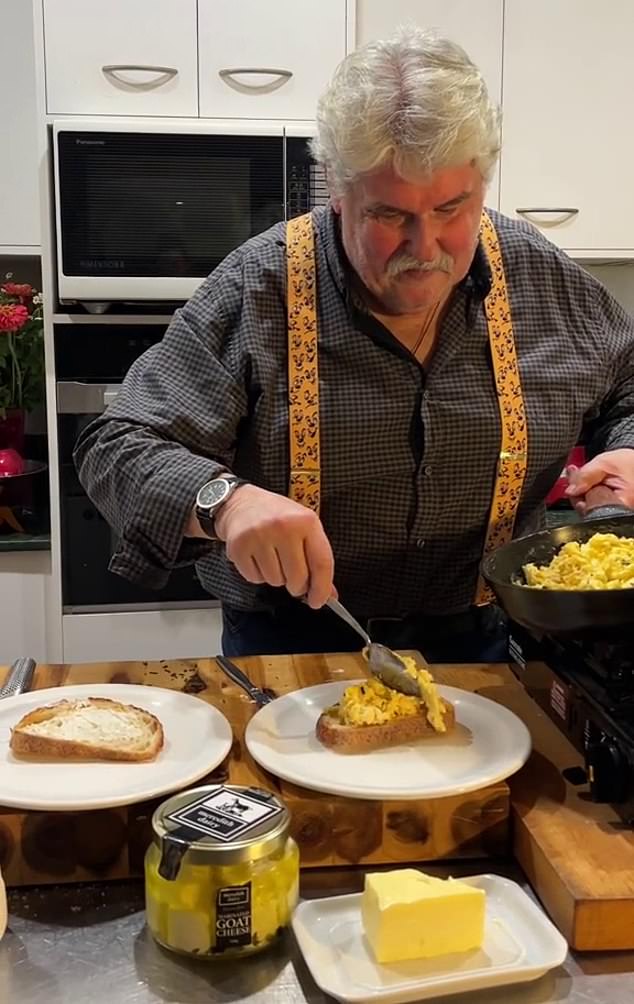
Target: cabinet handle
165, 73
569, 210
283, 75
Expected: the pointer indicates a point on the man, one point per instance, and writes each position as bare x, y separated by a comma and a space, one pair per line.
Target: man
442, 364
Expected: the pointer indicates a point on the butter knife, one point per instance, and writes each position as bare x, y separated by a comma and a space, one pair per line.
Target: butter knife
20, 677
235, 674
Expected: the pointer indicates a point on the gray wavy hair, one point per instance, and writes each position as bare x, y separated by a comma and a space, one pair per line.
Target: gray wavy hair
415, 100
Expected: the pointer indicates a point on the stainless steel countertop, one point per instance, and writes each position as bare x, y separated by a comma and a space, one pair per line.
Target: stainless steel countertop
89, 944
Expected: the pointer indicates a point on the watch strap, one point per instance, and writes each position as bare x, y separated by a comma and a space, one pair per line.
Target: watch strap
206, 522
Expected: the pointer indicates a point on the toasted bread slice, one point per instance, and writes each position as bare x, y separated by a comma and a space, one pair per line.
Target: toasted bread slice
94, 728
363, 738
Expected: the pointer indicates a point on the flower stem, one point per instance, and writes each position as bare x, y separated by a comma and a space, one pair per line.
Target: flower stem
16, 374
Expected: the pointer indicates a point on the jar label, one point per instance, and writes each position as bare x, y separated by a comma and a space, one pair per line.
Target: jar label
233, 916
225, 814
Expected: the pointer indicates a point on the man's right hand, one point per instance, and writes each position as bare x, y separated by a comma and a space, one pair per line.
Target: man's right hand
272, 539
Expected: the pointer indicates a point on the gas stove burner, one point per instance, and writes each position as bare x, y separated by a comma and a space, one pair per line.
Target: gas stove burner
611, 661
604, 663
586, 686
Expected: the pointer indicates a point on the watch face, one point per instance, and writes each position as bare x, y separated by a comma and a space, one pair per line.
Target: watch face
212, 493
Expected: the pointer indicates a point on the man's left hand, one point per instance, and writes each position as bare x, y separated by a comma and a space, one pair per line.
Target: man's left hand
614, 470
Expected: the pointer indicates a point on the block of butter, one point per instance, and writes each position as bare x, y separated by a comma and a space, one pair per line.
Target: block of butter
409, 915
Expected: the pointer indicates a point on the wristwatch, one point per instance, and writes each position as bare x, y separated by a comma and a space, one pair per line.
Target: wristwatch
211, 497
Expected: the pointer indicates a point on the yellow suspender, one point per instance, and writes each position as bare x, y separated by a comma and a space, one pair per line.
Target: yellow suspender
303, 384
303, 374
511, 470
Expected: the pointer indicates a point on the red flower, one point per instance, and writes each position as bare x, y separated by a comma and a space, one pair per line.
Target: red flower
21, 289
12, 317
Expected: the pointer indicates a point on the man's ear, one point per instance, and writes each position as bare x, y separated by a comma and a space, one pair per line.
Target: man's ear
335, 200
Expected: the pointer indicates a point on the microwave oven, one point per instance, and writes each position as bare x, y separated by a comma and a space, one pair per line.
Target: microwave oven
145, 210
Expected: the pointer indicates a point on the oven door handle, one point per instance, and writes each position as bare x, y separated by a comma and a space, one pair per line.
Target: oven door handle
76, 398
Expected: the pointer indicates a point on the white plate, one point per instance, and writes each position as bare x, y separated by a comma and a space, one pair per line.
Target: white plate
197, 739
520, 944
487, 744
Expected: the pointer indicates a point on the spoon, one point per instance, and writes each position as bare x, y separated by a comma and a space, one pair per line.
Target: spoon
382, 661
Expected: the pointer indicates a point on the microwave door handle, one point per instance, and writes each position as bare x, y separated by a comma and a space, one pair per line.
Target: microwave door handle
76, 398
228, 74
165, 73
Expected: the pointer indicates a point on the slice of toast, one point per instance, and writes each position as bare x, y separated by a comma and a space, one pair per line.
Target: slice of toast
93, 728
363, 738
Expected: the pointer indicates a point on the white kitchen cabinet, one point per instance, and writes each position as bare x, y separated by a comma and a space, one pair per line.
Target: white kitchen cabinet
267, 60
568, 143
19, 197
152, 634
476, 25
25, 578
124, 57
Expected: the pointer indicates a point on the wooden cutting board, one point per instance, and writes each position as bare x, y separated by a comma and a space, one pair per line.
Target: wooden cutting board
578, 856
38, 847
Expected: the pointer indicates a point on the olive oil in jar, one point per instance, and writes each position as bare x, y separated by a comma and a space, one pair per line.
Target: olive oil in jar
222, 872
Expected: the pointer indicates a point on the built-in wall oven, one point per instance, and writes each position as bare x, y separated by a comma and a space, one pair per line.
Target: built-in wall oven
146, 208
91, 361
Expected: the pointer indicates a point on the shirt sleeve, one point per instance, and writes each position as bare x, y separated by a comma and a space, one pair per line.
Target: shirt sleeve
613, 426
171, 428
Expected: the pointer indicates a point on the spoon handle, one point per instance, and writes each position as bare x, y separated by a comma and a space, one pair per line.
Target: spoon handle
339, 609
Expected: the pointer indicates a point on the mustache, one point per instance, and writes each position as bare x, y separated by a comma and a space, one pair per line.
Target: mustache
407, 263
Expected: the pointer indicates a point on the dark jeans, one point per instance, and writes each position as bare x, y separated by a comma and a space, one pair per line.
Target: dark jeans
477, 635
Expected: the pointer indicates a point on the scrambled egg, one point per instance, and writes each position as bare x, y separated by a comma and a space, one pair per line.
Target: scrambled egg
605, 561
373, 703
428, 692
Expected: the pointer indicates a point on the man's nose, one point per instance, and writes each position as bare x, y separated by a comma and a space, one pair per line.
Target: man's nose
422, 240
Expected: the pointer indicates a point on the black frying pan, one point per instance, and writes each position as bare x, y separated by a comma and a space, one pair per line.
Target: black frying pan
558, 611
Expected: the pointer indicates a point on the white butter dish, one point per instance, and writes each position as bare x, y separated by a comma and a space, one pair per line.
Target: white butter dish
520, 944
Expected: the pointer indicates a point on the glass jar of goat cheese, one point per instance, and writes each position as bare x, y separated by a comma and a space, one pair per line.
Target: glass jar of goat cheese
222, 872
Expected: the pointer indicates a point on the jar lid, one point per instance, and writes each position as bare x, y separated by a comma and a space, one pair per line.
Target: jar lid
218, 824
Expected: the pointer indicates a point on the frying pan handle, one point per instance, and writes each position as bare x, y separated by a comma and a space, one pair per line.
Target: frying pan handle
602, 503
607, 512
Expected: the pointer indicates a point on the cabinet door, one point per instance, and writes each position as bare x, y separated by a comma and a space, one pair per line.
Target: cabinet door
476, 25
124, 57
25, 579
181, 633
19, 199
568, 141
267, 60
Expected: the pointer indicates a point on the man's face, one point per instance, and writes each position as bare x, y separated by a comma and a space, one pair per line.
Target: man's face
411, 242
